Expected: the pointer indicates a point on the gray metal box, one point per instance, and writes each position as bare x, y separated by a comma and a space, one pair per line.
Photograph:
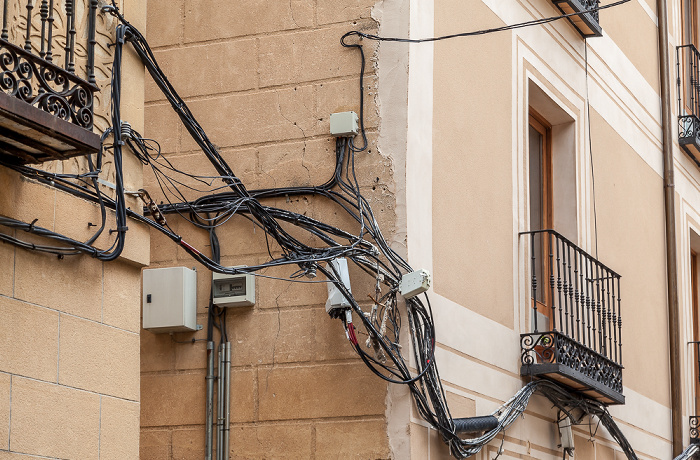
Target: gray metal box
344, 124
170, 299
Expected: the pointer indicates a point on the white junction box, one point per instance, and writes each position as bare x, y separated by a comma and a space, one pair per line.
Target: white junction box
233, 290
344, 124
336, 299
415, 283
170, 299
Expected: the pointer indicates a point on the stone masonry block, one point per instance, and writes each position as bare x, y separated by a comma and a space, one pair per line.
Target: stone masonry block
230, 66
438, 449
119, 429
122, 302
281, 293
352, 440
172, 399
460, 406
250, 118
155, 444
163, 249
331, 11
73, 215
420, 445
156, 351
330, 340
28, 340
7, 277
137, 248
347, 389
54, 421
279, 441
269, 337
26, 200
165, 23
163, 125
344, 95
241, 239
72, 285
305, 163
188, 444
208, 20
5, 384
99, 358
305, 56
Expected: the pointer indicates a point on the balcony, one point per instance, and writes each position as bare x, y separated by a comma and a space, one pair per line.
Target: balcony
688, 70
587, 23
576, 336
46, 108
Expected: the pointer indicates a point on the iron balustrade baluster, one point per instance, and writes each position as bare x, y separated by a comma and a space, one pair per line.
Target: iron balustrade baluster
91, 42
559, 283
5, 12
70, 36
614, 318
599, 309
588, 302
619, 320
571, 291
609, 328
44, 13
565, 281
28, 39
551, 282
534, 276
49, 38
603, 310
577, 260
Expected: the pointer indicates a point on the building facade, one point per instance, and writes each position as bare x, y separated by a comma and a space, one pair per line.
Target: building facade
523, 167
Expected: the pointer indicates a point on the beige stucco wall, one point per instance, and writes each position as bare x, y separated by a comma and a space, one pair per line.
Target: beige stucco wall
472, 214
69, 335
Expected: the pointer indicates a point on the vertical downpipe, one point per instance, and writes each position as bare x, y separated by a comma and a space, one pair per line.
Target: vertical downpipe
220, 407
209, 427
227, 401
670, 224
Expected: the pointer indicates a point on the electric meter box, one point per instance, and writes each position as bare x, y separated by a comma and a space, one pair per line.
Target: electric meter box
233, 290
170, 299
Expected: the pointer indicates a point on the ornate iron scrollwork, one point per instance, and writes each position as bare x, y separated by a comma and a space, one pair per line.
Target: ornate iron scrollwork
45, 85
537, 348
695, 430
556, 348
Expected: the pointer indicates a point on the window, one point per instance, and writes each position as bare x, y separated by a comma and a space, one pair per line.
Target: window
541, 213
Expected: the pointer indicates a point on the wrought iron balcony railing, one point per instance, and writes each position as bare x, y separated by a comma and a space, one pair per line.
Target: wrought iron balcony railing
576, 335
695, 430
586, 23
46, 99
688, 70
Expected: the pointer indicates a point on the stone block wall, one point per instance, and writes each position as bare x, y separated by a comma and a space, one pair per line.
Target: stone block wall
262, 78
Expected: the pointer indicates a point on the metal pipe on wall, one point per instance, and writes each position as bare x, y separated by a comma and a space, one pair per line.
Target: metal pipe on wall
227, 401
670, 225
209, 425
220, 407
